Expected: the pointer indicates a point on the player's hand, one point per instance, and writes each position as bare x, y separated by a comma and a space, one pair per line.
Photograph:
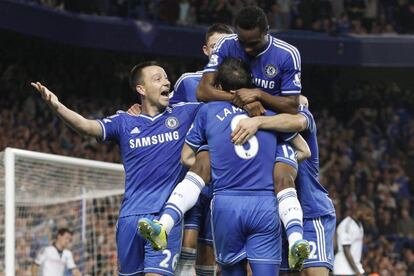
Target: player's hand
47, 95
254, 109
245, 96
244, 130
134, 109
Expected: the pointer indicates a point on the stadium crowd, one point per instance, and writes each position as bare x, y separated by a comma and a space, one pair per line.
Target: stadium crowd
366, 141
328, 16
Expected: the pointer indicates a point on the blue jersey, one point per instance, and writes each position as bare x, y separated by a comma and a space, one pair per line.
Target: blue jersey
246, 167
276, 70
185, 89
313, 197
150, 150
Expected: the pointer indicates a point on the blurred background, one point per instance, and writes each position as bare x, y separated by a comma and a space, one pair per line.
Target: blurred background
357, 71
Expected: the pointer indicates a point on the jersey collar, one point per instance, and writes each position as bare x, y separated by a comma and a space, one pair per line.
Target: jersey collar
269, 42
153, 118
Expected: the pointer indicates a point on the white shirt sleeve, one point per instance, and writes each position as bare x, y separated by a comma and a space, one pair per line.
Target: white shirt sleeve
70, 263
345, 234
40, 258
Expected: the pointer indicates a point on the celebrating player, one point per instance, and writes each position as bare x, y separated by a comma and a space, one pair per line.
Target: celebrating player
197, 220
238, 174
318, 211
150, 146
275, 66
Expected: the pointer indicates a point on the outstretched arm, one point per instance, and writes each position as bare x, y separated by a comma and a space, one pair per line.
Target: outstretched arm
280, 104
74, 120
301, 147
206, 92
188, 155
248, 127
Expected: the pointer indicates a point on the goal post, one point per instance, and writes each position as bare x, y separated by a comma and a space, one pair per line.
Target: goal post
43, 192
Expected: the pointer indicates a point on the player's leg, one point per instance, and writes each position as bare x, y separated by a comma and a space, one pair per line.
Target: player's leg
130, 246
290, 211
194, 219
164, 262
320, 234
206, 262
182, 199
263, 246
265, 269
284, 266
315, 271
188, 255
228, 232
238, 269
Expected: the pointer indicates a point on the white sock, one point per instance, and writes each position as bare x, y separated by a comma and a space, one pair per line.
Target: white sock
182, 199
186, 264
291, 214
205, 270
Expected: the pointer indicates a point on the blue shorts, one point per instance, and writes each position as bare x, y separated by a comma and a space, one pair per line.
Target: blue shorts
246, 226
135, 254
320, 233
286, 154
199, 218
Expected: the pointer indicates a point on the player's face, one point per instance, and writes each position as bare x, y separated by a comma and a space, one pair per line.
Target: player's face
211, 43
64, 240
367, 215
156, 85
252, 41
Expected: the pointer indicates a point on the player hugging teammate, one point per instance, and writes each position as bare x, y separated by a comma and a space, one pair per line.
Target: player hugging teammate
309, 226
249, 161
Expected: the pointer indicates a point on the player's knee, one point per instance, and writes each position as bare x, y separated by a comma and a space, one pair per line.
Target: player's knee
190, 238
284, 176
205, 255
284, 181
202, 166
315, 271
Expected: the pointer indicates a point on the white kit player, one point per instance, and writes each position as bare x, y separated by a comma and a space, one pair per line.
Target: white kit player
350, 237
55, 259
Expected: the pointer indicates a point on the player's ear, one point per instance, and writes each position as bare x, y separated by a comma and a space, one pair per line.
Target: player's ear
205, 50
140, 89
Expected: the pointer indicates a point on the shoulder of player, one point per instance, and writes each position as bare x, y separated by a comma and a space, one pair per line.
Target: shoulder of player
348, 223
46, 249
289, 50
227, 40
213, 107
305, 112
187, 77
67, 252
184, 106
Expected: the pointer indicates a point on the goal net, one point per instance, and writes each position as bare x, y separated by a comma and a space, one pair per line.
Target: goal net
44, 192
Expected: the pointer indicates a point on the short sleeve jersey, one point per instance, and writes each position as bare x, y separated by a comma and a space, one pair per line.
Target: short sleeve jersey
150, 149
276, 70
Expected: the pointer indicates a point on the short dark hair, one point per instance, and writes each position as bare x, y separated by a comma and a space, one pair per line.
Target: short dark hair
365, 204
135, 76
233, 74
63, 231
252, 17
218, 28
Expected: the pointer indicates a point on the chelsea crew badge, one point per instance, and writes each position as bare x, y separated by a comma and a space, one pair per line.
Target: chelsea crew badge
270, 71
172, 122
